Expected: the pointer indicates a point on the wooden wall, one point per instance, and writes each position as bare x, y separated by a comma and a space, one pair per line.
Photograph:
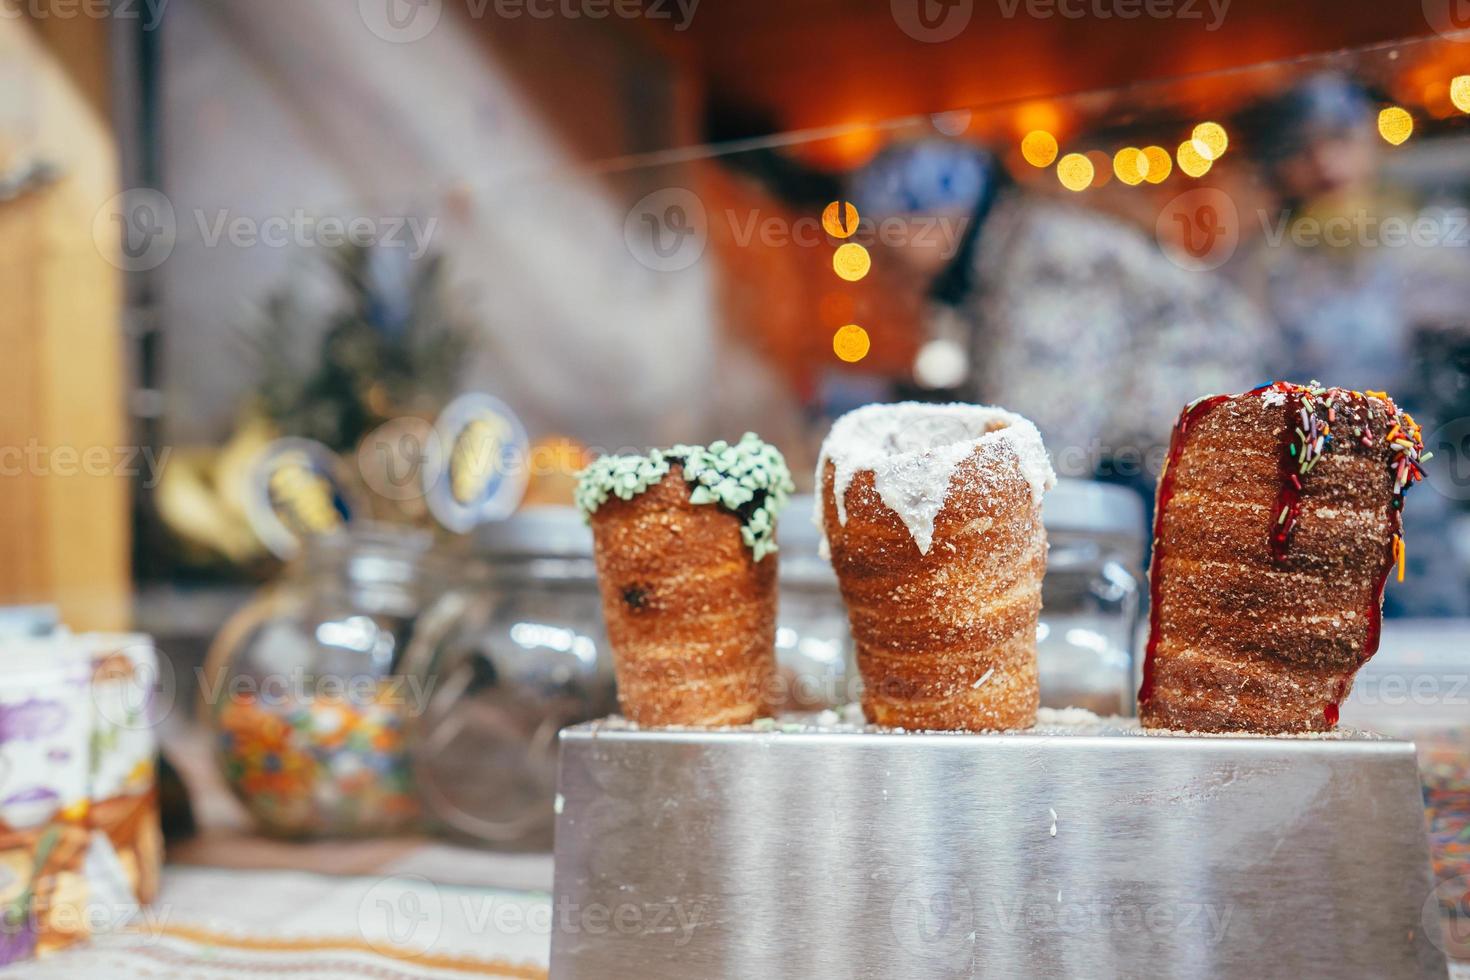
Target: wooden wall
64, 490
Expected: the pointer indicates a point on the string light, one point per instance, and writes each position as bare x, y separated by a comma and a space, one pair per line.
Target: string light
850, 343
1039, 148
1395, 124
1191, 161
840, 228
1075, 172
1130, 165
1460, 92
1160, 164
1210, 140
851, 261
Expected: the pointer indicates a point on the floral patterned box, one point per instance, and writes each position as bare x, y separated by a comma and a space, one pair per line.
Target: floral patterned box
80, 846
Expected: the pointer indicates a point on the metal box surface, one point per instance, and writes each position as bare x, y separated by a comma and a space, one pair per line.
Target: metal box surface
866, 854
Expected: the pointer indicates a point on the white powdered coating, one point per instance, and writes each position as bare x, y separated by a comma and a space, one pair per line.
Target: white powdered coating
912, 450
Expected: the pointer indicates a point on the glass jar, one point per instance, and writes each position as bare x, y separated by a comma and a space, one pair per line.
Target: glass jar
305, 690
513, 661
814, 649
1090, 598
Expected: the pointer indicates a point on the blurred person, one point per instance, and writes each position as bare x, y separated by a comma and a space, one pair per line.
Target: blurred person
1069, 317
1361, 283
1345, 288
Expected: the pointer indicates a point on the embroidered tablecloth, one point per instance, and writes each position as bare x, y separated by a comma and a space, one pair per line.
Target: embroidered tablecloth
211, 924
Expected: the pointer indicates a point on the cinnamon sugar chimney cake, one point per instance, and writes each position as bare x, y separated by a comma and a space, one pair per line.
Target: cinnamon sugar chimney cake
684, 540
931, 515
1277, 524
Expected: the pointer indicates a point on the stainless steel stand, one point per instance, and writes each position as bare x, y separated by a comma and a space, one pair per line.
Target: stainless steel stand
863, 854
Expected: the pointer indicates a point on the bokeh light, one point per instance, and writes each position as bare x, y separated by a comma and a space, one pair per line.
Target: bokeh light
1191, 162
1210, 140
952, 123
1460, 92
1102, 167
1160, 164
1039, 115
941, 363
1039, 148
1075, 172
1130, 165
855, 145
833, 226
850, 343
851, 261
1395, 124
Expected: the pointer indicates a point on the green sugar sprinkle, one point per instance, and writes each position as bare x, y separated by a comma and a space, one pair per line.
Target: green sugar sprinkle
750, 479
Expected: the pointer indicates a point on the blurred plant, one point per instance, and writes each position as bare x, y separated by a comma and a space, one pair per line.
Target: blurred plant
392, 347
386, 345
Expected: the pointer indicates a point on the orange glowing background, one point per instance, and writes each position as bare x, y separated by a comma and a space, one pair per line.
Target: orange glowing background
832, 62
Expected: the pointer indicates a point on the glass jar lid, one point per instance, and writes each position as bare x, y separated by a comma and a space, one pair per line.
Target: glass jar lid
546, 531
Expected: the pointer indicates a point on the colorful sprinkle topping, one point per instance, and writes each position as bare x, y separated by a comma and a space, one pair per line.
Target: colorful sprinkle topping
1320, 416
750, 479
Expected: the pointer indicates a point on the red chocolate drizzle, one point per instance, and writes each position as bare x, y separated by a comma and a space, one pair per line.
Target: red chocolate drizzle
1187, 418
1289, 498
1373, 614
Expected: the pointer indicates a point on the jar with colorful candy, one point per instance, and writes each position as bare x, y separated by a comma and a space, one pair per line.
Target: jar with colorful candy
304, 691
